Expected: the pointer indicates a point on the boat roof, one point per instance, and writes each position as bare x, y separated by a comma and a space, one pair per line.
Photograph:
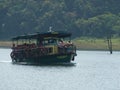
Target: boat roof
55, 34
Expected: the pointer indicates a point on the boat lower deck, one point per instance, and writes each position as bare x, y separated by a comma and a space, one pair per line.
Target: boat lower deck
57, 58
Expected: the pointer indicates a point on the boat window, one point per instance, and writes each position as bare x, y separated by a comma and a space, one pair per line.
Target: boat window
50, 41
45, 42
50, 50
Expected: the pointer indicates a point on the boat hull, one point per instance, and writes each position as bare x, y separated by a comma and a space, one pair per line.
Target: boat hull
57, 58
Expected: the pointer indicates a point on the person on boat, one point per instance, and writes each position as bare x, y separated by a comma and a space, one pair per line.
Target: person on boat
60, 43
40, 42
69, 42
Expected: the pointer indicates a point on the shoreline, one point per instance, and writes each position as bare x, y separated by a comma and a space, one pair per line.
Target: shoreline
96, 44
5, 44
79, 46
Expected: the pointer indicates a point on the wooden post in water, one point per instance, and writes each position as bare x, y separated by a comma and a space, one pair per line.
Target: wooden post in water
109, 44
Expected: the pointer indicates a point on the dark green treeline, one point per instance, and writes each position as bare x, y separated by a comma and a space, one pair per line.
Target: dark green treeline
92, 18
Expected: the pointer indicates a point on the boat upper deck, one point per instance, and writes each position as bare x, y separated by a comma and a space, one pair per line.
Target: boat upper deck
59, 34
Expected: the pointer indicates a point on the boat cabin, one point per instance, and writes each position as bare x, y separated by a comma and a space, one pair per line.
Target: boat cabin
42, 44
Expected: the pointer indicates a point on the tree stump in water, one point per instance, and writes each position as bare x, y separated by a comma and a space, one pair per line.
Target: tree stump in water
109, 44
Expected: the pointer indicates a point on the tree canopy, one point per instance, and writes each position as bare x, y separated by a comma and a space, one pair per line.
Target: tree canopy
92, 18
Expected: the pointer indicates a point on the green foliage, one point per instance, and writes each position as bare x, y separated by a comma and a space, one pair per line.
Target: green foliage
92, 18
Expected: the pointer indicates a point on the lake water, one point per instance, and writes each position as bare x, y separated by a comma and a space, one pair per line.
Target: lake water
91, 70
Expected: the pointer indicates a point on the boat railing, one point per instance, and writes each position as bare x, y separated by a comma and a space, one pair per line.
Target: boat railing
67, 48
32, 50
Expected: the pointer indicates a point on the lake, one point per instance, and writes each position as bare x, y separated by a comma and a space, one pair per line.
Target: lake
91, 70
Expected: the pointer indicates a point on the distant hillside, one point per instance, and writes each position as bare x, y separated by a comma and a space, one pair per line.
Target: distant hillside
91, 18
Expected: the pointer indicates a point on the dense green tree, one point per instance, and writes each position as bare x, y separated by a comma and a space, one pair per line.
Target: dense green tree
92, 18
99, 26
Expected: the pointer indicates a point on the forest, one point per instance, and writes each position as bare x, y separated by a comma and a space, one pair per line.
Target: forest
83, 18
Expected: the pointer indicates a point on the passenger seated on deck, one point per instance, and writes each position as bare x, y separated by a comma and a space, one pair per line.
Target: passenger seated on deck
13, 47
61, 43
69, 42
40, 43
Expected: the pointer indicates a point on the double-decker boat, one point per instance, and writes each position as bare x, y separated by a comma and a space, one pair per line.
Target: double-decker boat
48, 47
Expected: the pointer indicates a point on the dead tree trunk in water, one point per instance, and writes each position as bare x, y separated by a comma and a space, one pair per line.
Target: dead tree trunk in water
109, 44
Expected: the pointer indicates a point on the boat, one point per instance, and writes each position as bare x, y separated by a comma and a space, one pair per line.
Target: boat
45, 47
